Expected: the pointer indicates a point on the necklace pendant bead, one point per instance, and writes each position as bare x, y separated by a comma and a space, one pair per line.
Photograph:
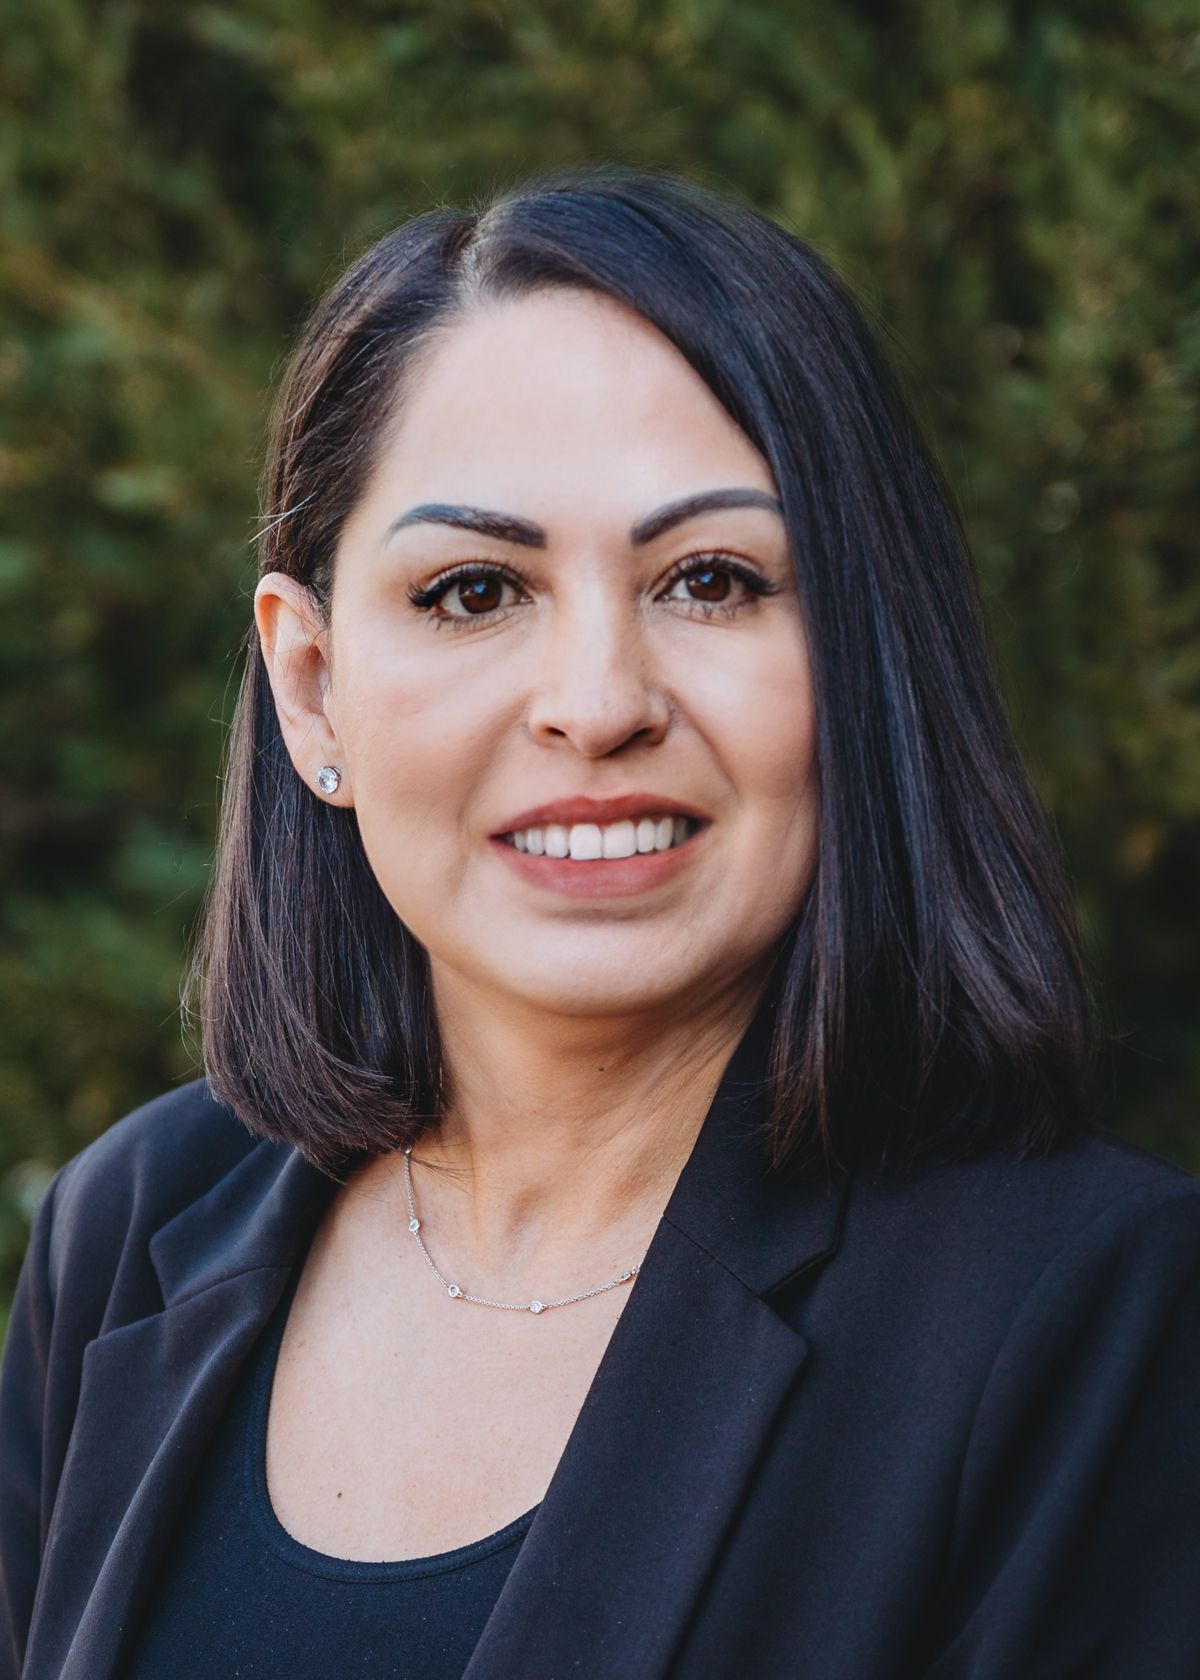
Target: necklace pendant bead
453, 1290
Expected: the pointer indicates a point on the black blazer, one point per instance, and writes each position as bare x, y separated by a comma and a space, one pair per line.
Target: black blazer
946, 1427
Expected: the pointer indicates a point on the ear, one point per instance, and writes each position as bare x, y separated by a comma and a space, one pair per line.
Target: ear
294, 643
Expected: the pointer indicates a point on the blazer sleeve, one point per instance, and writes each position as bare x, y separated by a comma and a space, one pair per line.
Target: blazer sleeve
25, 1499
1076, 1547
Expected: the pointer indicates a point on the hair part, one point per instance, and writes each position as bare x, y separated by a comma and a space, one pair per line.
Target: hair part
931, 989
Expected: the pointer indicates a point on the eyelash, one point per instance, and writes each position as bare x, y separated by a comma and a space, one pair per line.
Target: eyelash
426, 598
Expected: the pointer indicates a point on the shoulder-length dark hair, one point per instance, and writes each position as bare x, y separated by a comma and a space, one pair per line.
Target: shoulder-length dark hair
933, 973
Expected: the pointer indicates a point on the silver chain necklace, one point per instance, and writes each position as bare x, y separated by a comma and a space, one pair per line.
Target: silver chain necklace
457, 1294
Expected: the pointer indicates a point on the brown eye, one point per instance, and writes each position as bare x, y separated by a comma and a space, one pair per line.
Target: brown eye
481, 593
708, 583
469, 591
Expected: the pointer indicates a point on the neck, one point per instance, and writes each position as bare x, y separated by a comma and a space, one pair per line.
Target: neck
564, 1137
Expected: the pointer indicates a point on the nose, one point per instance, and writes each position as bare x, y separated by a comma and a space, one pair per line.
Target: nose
597, 685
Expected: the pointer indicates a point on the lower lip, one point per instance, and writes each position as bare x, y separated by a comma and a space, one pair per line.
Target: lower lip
601, 877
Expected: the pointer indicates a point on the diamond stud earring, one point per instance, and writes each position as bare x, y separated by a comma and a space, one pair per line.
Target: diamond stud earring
328, 777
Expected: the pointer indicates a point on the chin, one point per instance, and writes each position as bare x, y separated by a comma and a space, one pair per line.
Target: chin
570, 989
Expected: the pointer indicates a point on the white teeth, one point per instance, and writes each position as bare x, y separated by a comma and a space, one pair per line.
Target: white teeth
620, 840
586, 841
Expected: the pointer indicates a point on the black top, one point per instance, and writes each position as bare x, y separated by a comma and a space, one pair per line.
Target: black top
239, 1596
939, 1426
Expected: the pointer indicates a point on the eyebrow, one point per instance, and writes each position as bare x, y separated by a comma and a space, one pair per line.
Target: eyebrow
507, 527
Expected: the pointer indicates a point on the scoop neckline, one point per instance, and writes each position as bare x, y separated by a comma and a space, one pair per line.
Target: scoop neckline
307, 1558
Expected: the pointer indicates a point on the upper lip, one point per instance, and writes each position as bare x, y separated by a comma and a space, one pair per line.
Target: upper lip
584, 810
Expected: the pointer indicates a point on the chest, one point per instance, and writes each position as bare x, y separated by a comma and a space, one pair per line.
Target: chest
402, 1423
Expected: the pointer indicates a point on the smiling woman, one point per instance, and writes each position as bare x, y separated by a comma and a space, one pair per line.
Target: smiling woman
629, 900
610, 465
610, 640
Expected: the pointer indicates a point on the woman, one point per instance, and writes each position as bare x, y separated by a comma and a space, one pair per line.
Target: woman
642, 1216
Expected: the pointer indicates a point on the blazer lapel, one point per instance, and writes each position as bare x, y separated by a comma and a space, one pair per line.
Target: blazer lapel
151, 1395
678, 1414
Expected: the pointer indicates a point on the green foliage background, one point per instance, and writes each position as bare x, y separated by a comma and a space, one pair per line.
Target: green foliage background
1012, 188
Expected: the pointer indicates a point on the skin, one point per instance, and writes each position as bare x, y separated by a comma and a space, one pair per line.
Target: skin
584, 1037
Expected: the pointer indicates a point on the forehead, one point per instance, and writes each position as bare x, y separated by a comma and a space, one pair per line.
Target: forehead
556, 403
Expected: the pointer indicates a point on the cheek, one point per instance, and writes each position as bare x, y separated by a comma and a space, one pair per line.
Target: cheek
396, 715
426, 739
418, 757
780, 762
758, 711
767, 742
781, 789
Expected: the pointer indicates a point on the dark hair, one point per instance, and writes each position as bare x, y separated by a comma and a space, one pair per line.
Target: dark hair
933, 973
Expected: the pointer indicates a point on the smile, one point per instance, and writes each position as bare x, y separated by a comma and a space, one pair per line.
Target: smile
603, 860
587, 842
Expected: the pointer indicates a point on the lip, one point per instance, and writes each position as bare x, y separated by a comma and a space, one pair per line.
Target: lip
581, 809
601, 877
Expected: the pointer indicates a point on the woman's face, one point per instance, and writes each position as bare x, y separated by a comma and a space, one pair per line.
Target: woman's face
599, 642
